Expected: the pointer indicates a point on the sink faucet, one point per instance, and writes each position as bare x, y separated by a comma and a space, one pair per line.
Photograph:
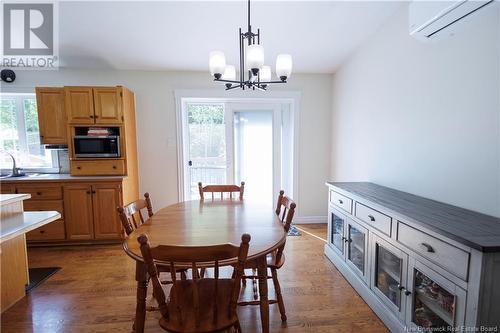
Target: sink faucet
16, 172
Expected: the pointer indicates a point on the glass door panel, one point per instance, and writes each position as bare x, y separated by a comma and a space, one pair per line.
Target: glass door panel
207, 158
356, 247
337, 237
437, 304
253, 154
389, 273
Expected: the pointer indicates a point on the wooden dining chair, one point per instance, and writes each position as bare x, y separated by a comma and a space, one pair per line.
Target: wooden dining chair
197, 304
285, 210
221, 189
131, 215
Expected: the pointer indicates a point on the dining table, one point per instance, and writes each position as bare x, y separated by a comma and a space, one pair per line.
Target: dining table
209, 222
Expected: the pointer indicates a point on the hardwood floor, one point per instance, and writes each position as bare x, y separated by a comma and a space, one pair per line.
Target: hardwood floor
95, 292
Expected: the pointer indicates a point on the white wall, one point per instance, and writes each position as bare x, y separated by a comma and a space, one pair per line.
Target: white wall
156, 125
423, 117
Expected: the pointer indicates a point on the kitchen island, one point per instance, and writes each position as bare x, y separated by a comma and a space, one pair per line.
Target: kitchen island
14, 225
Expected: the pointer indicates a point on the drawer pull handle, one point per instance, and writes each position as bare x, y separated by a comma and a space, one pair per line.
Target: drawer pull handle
78, 167
340, 201
427, 247
371, 218
38, 193
114, 166
42, 231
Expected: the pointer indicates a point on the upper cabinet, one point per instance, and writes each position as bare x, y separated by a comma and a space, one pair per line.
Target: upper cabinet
51, 115
107, 105
79, 105
86, 105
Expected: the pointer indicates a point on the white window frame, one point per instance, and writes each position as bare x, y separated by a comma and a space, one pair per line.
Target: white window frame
21, 128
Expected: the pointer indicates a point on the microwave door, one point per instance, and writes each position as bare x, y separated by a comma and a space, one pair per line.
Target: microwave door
96, 147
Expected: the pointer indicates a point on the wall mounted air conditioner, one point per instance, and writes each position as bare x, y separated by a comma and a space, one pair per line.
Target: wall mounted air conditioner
429, 19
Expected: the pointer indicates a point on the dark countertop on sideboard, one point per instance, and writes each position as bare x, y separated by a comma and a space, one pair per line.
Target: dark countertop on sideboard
59, 177
479, 231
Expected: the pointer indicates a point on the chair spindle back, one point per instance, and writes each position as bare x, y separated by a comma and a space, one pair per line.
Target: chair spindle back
221, 189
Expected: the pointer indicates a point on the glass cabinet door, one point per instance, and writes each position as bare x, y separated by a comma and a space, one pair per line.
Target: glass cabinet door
388, 281
357, 241
437, 305
337, 231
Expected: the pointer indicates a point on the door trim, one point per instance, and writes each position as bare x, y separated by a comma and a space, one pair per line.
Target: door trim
293, 98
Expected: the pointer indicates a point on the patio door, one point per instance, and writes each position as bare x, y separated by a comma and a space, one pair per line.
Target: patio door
230, 142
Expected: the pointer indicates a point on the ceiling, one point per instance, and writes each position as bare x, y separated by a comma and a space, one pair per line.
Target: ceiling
178, 35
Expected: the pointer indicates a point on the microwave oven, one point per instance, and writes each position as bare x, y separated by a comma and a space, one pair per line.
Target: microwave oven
96, 146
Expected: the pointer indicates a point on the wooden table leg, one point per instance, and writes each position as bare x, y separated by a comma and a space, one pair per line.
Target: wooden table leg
264, 302
141, 277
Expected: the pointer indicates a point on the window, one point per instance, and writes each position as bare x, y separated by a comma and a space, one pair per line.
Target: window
19, 134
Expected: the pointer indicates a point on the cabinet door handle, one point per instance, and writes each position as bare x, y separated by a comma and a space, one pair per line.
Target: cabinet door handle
91, 117
42, 231
88, 192
340, 201
427, 247
406, 291
93, 192
96, 117
371, 218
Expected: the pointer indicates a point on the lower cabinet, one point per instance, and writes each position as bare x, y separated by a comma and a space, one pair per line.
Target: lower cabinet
434, 303
78, 211
350, 241
105, 198
419, 298
90, 211
87, 208
388, 281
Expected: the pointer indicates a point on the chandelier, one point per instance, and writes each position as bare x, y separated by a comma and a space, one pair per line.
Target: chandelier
251, 62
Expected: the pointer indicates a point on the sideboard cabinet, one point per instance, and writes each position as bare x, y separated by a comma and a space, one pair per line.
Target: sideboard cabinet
421, 265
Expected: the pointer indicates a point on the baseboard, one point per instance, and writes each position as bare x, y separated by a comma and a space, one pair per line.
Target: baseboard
310, 219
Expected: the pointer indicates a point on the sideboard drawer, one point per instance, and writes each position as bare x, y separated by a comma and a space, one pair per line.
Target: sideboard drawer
449, 257
41, 191
374, 218
341, 201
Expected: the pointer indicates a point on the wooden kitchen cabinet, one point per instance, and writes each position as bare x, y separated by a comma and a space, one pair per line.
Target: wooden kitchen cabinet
99, 105
87, 207
107, 105
90, 211
7, 188
105, 199
52, 119
79, 102
78, 211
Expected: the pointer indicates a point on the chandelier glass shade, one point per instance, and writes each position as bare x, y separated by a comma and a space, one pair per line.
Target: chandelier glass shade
253, 74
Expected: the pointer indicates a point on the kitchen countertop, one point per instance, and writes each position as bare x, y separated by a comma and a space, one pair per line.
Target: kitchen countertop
17, 223
473, 229
48, 177
6, 199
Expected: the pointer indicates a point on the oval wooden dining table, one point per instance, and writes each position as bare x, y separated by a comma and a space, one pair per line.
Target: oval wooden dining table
209, 222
